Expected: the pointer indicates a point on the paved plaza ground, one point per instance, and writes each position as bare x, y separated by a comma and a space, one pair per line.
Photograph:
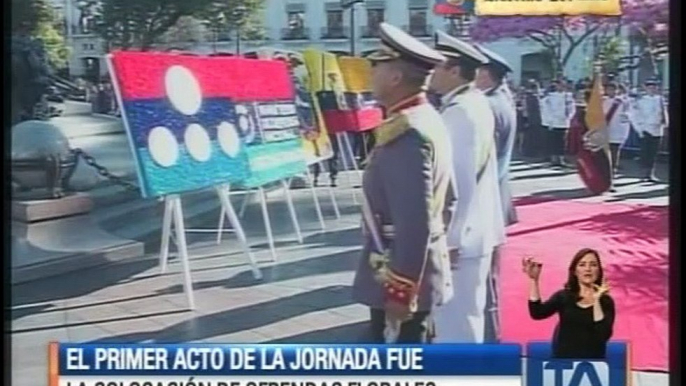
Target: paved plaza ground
303, 298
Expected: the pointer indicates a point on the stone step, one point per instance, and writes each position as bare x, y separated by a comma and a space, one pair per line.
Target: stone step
76, 126
71, 108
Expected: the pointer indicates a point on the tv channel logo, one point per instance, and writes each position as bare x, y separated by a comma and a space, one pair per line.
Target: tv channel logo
576, 373
543, 370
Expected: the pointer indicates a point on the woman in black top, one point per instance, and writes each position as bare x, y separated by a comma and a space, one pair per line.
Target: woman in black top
586, 310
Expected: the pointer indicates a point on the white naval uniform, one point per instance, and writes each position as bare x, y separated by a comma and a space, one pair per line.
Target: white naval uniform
478, 225
543, 108
560, 109
618, 127
649, 115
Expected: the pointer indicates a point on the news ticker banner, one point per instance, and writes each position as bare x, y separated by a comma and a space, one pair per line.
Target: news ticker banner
328, 365
283, 365
548, 7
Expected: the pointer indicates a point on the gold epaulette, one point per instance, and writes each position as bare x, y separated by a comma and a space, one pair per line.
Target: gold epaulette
391, 129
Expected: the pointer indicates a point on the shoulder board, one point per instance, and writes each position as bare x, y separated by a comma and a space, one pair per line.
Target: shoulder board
391, 129
409, 120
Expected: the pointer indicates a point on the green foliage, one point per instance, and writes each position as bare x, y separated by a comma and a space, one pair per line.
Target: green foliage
611, 52
187, 30
139, 24
27, 15
230, 16
37, 19
54, 44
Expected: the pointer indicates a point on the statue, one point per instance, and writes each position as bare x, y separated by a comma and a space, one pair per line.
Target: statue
30, 79
41, 155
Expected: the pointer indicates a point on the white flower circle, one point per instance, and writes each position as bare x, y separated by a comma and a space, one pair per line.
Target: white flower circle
198, 142
183, 90
163, 147
229, 140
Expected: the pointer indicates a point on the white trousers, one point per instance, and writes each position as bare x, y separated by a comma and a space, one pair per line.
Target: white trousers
462, 319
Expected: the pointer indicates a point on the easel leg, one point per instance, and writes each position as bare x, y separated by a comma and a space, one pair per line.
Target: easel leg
222, 216
180, 230
291, 210
227, 209
349, 147
267, 223
317, 207
166, 233
342, 150
246, 201
332, 193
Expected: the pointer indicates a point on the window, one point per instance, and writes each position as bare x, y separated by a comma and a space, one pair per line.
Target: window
334, 23
418, 25
296, 21
296, 26
374, 18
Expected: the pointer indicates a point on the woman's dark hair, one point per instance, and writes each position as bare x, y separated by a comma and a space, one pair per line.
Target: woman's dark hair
572, 284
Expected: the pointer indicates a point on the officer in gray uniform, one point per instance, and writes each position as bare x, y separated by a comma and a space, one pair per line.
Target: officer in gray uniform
404, 272
491, 80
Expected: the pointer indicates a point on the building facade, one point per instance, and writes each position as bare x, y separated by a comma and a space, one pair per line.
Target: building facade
326, 25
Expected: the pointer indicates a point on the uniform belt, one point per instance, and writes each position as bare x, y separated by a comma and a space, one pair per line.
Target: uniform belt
437, 228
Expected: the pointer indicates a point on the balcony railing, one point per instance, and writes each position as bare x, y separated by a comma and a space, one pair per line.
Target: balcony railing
419, 30
369, 32
295, 33
335, 33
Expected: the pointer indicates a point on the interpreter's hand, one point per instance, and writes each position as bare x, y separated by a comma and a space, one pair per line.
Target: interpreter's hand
600, 290
397, 311
531, 268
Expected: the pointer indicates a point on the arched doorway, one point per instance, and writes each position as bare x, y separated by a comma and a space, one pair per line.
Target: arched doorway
91, 69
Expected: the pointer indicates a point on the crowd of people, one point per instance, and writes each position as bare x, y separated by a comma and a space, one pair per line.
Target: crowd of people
544, 118
437, 200
100, 95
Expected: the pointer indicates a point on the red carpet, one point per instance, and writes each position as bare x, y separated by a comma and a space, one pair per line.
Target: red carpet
633, 243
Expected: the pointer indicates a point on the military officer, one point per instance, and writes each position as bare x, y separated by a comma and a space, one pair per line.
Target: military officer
491, 80
616, 109
560, 108
650, 119
404, 272
477, 226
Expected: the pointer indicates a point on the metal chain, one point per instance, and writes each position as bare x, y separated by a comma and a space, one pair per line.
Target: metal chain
103, 171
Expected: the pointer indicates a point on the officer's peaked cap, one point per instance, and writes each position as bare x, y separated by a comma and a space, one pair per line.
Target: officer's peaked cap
396, 44
452, 47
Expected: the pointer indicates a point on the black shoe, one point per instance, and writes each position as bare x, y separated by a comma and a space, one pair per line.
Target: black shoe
333, 183
612, 190
315, 182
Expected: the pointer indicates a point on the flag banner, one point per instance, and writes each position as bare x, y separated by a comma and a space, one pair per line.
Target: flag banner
297, 365
195, 122
341, 110
546, 7
593, 155
357, 74
454, 7
316, 143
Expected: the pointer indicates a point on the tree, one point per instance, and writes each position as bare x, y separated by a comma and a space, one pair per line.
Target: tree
37, 20
187, 30
139, 24
649, 24
235, 16
552, 31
